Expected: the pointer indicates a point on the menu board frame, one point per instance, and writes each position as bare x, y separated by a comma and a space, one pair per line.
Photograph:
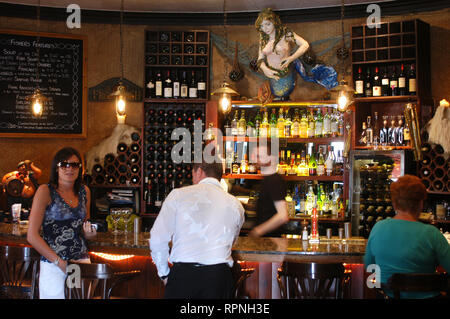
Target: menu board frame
84, 90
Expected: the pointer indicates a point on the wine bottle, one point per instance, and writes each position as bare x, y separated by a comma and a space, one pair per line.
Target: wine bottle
150, 87
385, 89
158, 85
368, 84
201, 86
184, 86
412, 89
376, 86
168, 86
176, 85
359, 84
393, 82
193, 86
401, 81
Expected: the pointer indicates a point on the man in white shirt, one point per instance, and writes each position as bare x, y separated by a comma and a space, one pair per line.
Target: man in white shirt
202, 221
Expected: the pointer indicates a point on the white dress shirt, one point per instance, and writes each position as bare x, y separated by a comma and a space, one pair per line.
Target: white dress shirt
201, 220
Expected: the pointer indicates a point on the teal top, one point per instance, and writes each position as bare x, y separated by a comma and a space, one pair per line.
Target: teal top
402, 246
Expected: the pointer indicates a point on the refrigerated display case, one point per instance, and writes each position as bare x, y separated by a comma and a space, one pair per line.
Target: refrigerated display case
371, 174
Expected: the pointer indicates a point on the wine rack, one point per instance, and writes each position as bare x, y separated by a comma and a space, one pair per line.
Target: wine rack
434, 169
161, 173
122, 169
177, 52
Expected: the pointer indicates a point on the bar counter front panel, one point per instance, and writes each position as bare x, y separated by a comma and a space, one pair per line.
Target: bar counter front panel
263, 254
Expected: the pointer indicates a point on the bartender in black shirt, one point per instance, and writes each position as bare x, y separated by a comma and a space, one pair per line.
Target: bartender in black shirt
271, 206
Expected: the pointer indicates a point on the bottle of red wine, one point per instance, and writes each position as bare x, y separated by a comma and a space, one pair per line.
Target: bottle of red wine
193, 86
359, 84
168, 86
401, 82
201, 86
376, 85
393, 82
150, 85
176, 86
412, 89
158, 85
368, 84
184, 86
385, 89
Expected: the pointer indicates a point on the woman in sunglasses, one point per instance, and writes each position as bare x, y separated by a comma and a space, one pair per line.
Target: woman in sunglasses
61, 208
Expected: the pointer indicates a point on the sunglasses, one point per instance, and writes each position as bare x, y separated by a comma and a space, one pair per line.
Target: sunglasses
66, 165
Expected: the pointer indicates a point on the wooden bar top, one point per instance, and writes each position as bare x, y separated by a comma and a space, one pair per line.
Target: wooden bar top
246, 248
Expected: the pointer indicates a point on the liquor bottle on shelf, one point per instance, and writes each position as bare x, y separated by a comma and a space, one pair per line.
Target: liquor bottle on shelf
326, 125
312, 165
406, 135
402, 81
319, 124
184, 86
264, 130
303, 127
150, 86
393, 82
339, 165
310, 200
368, 84
193, 86
399, 131
201, 86
376, 85
251, 129
392, 138
311, 124
242, 125
258, 121
295, 129
176, 85
288, 125
234, 124
320, 164
376, 139
369, 132
412, 88
281, 167
384, 131
385, 88
363, 137
329, 163
273, 124
303, 169
280, 123
158, 85
168, 86
359, 84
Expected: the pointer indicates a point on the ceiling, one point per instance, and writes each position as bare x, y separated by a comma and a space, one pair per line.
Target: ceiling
194, 6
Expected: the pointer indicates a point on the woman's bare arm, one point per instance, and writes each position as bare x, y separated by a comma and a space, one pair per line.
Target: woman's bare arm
303, 46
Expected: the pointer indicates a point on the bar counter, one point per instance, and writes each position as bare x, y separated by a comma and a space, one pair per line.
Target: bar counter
263, 255
246, 248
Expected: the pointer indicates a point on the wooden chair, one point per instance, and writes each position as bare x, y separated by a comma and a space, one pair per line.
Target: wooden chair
416, 282
312, 280
91, 275
19, 271
240, 275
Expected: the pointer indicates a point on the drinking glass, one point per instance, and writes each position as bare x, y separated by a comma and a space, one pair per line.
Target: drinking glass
126, 214
115, 214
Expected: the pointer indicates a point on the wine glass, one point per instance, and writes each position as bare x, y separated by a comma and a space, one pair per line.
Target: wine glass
126, 214
115, 214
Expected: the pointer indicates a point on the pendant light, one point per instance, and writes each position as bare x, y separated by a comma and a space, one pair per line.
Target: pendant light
120, 95
225, 92
345, 92
37, 99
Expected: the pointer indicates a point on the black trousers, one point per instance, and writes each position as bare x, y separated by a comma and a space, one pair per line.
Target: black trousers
192, 280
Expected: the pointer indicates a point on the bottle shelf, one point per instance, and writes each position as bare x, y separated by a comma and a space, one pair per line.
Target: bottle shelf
316, 104
321, 219
317, 140
323, 178
387, 148
180, 100
387, 98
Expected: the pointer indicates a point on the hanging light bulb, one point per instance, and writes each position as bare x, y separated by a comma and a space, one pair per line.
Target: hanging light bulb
345, 95
225, 92
37, 102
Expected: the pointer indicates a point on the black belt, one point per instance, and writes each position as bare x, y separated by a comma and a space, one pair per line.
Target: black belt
198, 264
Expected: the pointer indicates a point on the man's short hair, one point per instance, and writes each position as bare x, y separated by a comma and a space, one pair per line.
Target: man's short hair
213, 169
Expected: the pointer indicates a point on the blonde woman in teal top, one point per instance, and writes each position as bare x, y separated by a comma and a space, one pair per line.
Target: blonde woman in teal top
403, 244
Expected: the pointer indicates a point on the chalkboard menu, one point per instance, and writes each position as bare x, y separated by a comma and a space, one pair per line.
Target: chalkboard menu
61, 79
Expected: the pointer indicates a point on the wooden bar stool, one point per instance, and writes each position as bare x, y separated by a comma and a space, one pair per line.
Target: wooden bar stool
19, 271
416, 282
312, 280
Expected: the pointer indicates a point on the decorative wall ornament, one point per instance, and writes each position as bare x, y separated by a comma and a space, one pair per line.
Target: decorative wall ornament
101, 92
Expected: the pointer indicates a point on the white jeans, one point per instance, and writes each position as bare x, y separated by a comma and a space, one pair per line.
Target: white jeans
51, 280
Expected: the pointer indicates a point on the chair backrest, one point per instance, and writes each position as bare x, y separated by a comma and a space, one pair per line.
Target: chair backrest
18, 271
90, 276
417, 282
311, 280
